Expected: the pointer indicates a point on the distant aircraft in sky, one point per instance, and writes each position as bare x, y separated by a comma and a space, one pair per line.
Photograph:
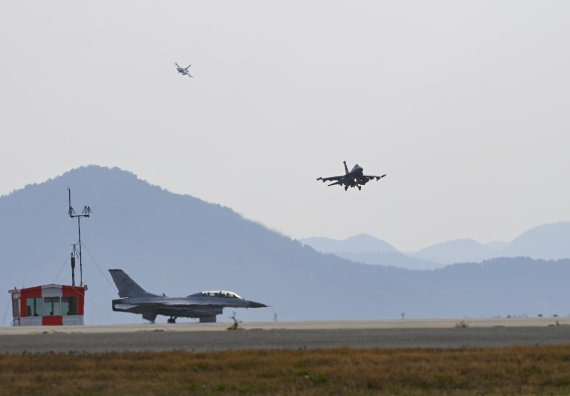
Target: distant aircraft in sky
204, 305
182, 70
354, 178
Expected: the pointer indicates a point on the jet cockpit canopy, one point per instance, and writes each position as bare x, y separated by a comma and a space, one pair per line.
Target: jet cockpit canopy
220, 293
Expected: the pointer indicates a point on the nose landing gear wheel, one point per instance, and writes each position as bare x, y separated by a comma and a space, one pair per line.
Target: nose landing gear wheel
172, 319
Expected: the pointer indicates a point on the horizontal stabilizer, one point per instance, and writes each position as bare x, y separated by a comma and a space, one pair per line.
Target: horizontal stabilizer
124, 306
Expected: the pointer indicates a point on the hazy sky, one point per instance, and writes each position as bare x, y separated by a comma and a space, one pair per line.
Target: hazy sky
465, 104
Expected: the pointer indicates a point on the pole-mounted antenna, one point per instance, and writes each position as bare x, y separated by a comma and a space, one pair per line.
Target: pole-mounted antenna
85, 213
73, 254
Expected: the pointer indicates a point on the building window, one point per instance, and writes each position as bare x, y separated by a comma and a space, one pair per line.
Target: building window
51, 306
34, 306
69, 306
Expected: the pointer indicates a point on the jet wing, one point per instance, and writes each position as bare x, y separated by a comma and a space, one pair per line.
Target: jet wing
181, 303
372, 177
190, 303
326, 179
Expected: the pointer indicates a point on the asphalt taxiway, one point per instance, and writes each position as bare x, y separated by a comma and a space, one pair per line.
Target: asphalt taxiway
463, 333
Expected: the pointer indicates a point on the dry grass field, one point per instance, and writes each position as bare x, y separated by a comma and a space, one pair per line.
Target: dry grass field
514, 370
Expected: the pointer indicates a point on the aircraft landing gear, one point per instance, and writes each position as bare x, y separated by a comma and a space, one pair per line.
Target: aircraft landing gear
172, 319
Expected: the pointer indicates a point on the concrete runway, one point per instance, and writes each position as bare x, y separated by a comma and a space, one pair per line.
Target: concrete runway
287, 335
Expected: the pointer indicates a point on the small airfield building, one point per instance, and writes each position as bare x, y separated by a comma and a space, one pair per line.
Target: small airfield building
48, 305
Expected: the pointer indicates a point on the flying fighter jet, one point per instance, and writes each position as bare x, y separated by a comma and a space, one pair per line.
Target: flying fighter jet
204, 305
354, 178
182, 70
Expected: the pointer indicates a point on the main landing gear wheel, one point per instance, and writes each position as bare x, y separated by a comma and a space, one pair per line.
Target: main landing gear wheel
172, 319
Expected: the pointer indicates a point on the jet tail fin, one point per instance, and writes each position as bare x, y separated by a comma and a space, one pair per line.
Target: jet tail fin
126, 286
345, 167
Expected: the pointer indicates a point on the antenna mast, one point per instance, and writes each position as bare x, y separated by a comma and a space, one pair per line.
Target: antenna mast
85, 213
73, 254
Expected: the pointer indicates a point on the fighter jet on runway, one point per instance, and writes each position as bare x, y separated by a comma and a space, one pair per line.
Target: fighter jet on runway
204, 305
182, 70
354, 178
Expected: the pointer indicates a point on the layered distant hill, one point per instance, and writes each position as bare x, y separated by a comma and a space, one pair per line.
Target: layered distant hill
178, 244
356, 244
548, 242
369, 250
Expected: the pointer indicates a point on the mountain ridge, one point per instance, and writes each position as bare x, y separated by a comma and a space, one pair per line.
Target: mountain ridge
550, 241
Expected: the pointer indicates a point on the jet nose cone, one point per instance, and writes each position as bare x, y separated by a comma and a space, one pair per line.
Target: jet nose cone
254, 304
